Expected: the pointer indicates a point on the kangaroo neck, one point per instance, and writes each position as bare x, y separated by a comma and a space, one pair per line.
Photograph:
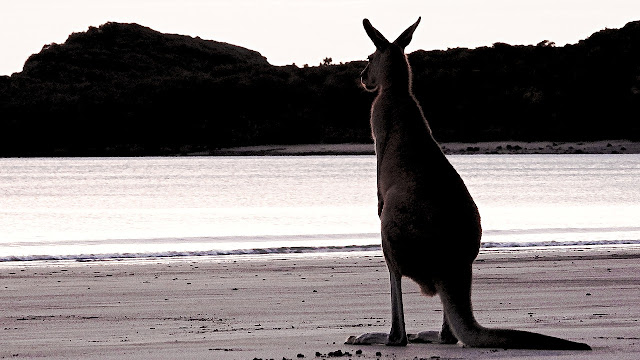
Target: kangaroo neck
391, 109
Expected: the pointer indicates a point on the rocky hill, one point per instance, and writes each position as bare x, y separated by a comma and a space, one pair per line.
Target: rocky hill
124, 89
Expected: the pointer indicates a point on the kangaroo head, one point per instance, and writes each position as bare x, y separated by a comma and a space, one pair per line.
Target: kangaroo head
388, 65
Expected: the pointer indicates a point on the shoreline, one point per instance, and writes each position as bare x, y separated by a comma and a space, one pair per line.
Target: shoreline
283, 305
451, 148
288, 252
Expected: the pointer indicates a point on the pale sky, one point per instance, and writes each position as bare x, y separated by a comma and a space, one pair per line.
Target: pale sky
307, 31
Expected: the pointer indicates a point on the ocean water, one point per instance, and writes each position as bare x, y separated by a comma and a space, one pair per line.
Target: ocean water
109, 208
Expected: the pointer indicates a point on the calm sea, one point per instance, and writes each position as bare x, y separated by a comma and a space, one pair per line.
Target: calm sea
107, 208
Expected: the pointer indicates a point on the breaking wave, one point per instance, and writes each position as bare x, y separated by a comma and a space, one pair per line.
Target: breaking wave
295, 250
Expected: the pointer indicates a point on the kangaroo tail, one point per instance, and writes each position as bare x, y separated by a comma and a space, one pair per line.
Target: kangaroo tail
455, 294
516, 339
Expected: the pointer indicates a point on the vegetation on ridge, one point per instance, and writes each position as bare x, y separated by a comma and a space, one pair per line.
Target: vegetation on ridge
124, 89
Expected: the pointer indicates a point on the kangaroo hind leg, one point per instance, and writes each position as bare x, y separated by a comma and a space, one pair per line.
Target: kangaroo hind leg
398, 335
445, 336
455, 293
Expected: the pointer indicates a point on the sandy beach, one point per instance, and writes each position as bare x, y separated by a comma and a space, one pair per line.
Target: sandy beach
294, 306
452, 148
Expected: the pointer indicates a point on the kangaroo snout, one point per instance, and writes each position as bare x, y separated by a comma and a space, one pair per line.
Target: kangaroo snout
365, 81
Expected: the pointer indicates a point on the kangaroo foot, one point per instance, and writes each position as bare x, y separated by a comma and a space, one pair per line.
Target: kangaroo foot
424, 337
375, 339
368, 339
432, 337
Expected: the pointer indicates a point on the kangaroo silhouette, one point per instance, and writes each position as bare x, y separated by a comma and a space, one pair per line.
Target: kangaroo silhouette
430, 225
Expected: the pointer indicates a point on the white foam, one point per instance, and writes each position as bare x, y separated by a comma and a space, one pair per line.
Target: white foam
296, 250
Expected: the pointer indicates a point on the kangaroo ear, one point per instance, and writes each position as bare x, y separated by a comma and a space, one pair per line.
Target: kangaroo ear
405, 38
378, 40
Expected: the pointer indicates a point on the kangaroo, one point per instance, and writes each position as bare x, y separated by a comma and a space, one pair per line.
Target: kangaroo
430, 225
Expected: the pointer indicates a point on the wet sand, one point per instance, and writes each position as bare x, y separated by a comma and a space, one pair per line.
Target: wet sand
275, 307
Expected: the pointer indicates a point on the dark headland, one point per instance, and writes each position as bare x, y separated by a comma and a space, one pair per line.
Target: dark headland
127, 90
